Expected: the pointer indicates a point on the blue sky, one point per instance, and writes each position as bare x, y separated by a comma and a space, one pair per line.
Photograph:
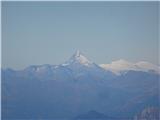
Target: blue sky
50, 32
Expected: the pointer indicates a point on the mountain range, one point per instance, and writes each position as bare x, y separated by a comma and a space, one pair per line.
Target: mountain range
80, 88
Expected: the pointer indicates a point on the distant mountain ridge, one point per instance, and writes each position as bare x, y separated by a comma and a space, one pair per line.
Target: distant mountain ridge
75, 87
117, 67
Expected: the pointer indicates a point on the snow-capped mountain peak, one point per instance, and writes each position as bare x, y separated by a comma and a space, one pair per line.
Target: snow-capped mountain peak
122, 65
78, 57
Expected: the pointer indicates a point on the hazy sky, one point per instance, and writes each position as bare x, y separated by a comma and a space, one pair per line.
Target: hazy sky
50, 32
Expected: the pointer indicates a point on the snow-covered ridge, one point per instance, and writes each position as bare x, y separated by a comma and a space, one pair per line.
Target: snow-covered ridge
122, 65
77, 60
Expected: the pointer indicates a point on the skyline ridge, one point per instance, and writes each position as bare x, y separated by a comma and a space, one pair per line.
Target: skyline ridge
78, 53
115, 66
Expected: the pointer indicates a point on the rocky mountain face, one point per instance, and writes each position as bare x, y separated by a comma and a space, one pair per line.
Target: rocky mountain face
74, 88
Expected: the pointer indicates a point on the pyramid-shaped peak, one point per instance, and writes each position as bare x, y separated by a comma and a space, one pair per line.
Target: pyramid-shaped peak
78, 57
